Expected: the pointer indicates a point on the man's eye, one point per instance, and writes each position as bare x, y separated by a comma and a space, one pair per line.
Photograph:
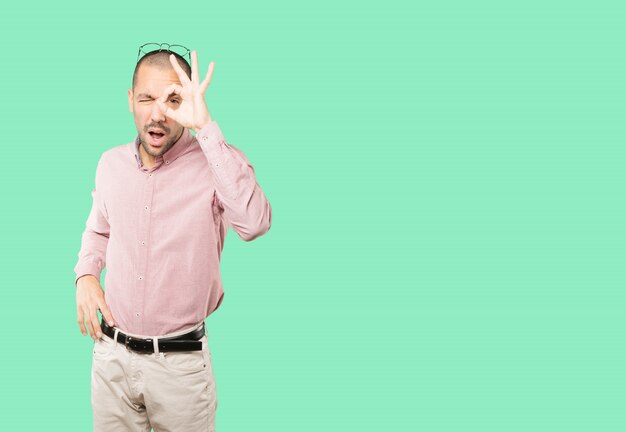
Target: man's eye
176, 101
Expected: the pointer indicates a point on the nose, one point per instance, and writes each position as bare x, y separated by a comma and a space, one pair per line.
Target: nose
156, 115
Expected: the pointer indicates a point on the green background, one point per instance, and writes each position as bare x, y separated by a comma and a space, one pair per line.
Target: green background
447, 182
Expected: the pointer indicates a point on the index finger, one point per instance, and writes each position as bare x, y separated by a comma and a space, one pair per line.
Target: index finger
182, 76
172, 89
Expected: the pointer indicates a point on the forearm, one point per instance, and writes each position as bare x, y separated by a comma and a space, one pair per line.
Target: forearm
95, 238
92, 255
245, 205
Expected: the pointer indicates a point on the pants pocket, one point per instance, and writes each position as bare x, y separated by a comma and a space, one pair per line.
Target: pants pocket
185, 362
103, 347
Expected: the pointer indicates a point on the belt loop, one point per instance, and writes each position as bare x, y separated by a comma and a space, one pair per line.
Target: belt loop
203, 326
155, 341
115, 334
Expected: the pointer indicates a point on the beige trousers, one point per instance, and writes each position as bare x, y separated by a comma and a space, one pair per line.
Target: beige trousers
166, 391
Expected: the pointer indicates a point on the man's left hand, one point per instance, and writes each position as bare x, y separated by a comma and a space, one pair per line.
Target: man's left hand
192, 113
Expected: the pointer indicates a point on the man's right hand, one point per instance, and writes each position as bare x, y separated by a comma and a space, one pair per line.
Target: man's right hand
90, 298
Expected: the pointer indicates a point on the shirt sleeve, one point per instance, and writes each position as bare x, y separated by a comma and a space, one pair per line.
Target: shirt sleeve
245, 206
95, 238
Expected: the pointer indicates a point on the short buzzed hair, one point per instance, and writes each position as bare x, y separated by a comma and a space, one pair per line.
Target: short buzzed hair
161, 60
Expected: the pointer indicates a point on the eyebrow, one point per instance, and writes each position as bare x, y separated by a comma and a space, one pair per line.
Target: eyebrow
146, 95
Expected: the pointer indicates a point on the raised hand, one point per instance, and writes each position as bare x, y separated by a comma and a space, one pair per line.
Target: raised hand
192, 112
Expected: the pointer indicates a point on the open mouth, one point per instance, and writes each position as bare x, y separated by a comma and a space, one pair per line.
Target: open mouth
157, 137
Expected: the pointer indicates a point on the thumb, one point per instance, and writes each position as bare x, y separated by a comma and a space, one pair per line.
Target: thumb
164, 108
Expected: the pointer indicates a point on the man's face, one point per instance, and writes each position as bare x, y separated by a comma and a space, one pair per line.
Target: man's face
150, 84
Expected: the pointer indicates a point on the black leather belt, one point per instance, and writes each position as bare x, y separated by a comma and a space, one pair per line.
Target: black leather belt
185, 342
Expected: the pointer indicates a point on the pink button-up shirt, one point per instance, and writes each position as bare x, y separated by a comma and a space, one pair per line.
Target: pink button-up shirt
160, 231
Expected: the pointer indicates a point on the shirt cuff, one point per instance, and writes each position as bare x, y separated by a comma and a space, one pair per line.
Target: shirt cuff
92, 268
210, 138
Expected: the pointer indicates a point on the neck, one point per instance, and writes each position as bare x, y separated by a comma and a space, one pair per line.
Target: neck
147, 159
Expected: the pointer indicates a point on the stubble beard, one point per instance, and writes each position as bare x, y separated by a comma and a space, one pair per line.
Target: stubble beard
168, 145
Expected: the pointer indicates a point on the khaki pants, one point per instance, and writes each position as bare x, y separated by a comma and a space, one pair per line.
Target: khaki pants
167, 391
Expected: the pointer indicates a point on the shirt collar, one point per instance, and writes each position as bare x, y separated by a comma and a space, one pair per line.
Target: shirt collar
179, 148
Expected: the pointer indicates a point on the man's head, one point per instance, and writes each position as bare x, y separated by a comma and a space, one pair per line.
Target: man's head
153, 73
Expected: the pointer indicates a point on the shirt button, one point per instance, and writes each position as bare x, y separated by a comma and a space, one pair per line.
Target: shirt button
166, 162
140, 277
143, 243
204, 138
137, 314
146, 207
217, 164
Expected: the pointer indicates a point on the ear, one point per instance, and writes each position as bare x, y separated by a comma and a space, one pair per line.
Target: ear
130, 100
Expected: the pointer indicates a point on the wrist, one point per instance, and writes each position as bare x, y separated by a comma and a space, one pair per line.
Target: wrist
86, 276
202, 125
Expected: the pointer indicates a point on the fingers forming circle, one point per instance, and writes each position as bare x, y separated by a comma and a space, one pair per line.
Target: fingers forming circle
172, 88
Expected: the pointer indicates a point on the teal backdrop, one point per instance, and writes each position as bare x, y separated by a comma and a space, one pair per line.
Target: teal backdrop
447, 183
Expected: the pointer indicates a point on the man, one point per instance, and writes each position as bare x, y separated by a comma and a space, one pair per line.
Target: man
161, 208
